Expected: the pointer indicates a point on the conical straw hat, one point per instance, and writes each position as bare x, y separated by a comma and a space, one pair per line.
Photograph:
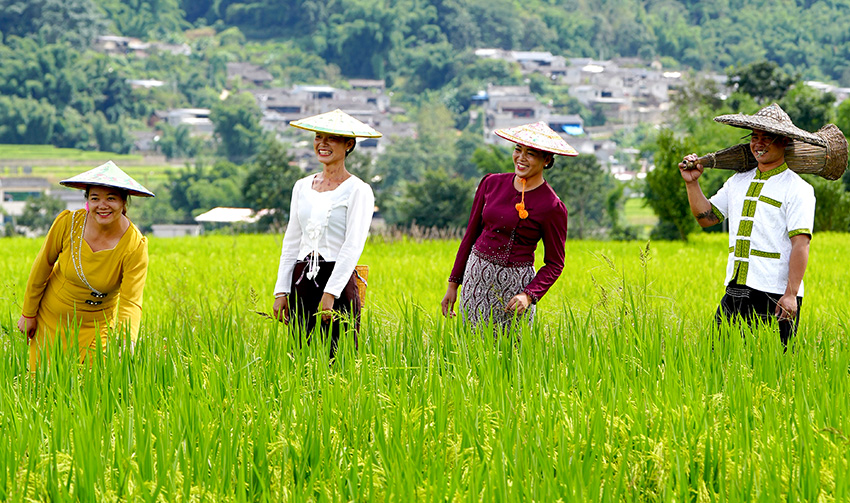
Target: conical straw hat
336, 122
107, 175
538, 136
773, 120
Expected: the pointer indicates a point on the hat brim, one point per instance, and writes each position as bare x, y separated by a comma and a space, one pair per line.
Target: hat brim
84, 185
771, 126
336, 122
338, 132
568, 152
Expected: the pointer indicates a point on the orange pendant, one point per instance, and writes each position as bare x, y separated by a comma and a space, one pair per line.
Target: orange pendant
520, 206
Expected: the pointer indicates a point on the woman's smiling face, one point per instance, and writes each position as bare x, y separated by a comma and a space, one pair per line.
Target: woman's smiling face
105, 204
529, 162
330, 148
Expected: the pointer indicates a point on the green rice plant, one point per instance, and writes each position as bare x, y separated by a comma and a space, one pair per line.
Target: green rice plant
622, 390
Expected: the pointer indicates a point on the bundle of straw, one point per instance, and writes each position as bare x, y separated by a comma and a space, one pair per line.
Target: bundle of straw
828, 162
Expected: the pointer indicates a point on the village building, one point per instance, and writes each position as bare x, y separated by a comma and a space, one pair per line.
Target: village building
16, 190
197, 119
176, 230
248, 73
365, 100
115, 45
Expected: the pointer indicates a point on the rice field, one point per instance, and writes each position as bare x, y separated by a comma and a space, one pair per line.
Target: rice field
55, 164
621, 391
49, 153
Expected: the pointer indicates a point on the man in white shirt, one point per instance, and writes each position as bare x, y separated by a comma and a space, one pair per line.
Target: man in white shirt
770, 212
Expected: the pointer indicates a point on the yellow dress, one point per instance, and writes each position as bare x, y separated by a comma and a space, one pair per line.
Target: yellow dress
74, 291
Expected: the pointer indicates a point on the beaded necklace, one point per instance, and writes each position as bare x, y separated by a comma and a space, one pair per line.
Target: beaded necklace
76, 257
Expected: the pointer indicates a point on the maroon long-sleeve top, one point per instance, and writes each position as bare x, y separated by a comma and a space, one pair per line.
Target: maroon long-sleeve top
496, 233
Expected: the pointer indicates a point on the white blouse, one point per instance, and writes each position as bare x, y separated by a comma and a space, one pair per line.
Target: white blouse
333, 224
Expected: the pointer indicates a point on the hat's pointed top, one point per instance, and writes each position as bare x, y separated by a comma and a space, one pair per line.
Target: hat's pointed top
107, 175
538, 136
336, 122
773, 120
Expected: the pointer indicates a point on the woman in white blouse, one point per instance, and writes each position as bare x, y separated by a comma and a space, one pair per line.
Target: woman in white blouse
329, 220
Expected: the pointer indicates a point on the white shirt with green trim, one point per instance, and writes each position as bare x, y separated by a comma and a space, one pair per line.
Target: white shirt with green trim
765, 210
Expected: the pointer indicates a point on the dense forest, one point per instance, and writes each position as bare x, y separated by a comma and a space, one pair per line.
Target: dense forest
55, 89
401, 38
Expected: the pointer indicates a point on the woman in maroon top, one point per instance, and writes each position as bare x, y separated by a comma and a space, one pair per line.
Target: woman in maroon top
511, 213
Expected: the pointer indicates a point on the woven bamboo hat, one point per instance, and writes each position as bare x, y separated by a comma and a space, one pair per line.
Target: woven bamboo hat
338, 123
107, 175
773, 120
537, 136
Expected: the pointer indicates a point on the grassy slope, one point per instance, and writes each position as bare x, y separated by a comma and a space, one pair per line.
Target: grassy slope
59, 163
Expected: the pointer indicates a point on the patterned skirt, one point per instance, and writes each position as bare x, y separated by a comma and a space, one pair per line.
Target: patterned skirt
487, 289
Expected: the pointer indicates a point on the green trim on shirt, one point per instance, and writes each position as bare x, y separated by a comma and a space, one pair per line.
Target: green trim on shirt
797, 232
742, 248
772, 202
759, 253
764, 175
745, 229
749, 209
717, 213
740, 271
755, 188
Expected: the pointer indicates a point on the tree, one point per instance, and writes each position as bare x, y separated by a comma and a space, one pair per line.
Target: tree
842, 117
763, 80
614, 208
428, 66
198, 189
808, 108
584, 187
24, 120
40, 211
76, 22
364, 24
145, 18
178, 141
73, 131
197, 9
466, 145
404, 159
149, 211
237, 127
665, 191
832, 211
439, 200
492, 159
110, 137
107, 91
269, 183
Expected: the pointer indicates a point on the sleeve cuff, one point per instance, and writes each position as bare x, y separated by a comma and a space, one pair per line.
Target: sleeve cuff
534, 298
717, 213
456, 279
797, 232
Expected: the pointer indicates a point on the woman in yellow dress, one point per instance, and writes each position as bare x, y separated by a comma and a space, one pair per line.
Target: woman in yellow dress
89, 276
